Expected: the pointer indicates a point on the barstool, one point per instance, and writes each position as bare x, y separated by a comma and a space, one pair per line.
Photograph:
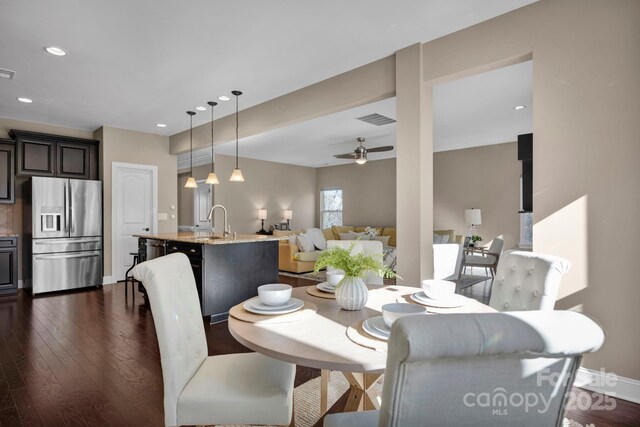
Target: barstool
128, 277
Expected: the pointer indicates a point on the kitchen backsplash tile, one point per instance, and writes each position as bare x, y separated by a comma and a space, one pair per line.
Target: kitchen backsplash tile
6, 218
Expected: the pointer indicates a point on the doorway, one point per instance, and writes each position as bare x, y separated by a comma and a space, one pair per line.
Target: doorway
134, 206
202, 202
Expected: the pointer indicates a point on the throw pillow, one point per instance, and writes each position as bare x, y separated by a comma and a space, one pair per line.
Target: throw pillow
293, 240
445, 239
304, 243
383, 239
317, 238
351, 235
437, 239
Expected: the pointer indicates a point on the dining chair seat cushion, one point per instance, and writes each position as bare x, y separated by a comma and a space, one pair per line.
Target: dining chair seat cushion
480, 260
249, 387
352, 419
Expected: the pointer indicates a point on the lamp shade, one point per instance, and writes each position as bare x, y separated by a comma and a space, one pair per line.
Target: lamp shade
288, 214
191, 183
262, 214
236, 176
472, 216
212, 178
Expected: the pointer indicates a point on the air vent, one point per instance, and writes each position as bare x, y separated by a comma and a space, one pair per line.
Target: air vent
7, 74
376, 119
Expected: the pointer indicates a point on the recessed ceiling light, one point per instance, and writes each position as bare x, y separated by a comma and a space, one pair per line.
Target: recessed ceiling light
519, 107
25, 100
55, 51
223, 98
201, 108
161, 125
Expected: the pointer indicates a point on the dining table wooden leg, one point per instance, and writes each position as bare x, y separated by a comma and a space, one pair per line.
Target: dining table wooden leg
325, 376
361, 393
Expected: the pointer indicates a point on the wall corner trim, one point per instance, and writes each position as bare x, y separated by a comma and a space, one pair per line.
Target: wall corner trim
623, 388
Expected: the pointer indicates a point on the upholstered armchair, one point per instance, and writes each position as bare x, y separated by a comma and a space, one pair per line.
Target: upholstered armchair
527, 281
479, 370
488, 259
232, 389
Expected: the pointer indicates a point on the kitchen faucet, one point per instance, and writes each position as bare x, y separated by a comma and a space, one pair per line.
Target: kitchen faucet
226, 231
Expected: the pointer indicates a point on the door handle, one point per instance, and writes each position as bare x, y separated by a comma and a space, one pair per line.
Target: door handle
146, 229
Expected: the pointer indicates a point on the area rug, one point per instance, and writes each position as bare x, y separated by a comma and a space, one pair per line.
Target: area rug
467, 280
307, 400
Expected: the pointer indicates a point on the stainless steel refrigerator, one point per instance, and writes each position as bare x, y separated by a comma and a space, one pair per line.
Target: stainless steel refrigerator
63, 230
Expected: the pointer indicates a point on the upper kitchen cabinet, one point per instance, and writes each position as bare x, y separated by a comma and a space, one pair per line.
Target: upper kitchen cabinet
40, 154
7, 172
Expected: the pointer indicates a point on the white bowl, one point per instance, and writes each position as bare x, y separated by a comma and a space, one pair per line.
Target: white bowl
274, 293
334, 278
393, 311
438, 289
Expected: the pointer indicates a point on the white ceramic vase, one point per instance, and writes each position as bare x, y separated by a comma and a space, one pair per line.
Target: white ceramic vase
352, 294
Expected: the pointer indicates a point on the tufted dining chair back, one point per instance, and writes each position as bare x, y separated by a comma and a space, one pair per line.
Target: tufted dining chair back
527, 281
173, 297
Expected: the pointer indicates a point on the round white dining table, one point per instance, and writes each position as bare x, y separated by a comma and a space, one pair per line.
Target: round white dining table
321, 341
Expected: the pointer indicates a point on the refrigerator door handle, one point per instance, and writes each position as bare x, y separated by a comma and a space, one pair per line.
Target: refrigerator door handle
67, 241
70, 210
66, 208
43, 257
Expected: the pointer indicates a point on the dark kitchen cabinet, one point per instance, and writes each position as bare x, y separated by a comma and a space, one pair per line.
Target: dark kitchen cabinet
7, 171
40, 154
8, 265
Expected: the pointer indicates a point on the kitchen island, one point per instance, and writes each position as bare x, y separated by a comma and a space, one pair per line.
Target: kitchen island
227, 269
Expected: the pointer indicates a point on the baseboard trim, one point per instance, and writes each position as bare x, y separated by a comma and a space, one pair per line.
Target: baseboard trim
107, 280
609, 384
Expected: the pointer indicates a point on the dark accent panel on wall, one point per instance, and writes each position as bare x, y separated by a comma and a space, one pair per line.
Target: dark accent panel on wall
7, 172
525, 154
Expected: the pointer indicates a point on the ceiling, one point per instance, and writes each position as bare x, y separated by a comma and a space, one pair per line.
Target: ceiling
470, 112
132, 64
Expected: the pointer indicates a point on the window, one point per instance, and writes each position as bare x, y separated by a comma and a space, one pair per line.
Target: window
330, 207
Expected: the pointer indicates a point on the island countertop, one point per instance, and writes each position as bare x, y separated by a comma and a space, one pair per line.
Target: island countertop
207, 238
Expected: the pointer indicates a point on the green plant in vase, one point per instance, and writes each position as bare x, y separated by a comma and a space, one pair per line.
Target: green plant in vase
475, 239
351, 292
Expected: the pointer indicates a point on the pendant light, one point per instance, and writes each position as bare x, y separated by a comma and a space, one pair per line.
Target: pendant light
191, 182
212, 178
236, 176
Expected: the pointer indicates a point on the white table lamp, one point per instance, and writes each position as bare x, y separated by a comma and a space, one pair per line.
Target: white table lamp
288, 215
472, 217
262, 215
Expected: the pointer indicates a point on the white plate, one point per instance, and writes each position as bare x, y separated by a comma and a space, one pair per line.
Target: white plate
326, 287
255, 306
376, 327
259, 305
456, 300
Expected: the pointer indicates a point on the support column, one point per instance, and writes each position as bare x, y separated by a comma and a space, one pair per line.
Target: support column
414, 165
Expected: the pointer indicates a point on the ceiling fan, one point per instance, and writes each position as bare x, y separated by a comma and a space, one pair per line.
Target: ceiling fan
360, 153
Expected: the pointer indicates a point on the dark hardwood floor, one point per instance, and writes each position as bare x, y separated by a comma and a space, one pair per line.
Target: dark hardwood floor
88, 358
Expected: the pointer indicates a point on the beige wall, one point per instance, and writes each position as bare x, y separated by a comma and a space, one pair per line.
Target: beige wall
586, 64
369, 191
360, 86
487, 178
274, 186
119, 145
15, 210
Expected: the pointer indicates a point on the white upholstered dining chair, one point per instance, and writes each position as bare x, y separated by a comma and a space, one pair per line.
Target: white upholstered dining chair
372, 247
527, 281
479, 370
232, 389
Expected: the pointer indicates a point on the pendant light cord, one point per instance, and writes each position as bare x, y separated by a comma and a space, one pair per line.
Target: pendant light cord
213, 165
191, 144
237, 132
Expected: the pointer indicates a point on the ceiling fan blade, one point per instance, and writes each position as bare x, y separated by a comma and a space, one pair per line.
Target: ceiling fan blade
380, 149
345, 156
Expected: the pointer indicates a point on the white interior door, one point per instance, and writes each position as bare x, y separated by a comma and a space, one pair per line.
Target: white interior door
134, 205
201, 206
